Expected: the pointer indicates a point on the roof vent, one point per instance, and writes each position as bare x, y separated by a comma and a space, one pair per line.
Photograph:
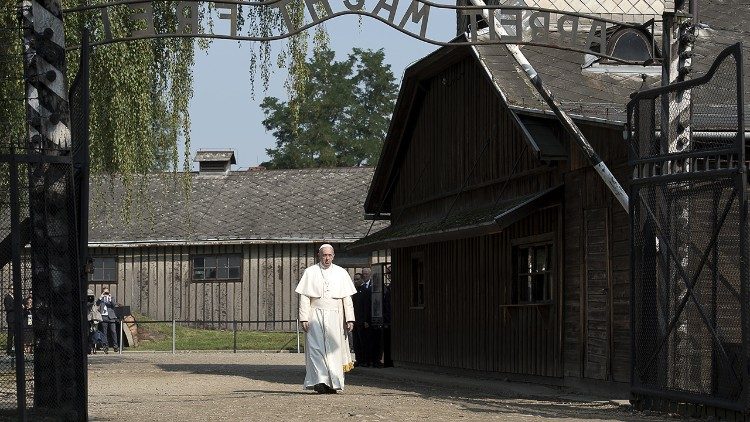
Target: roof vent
215, 161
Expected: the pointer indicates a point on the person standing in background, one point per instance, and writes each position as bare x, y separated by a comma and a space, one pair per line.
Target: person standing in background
106, 305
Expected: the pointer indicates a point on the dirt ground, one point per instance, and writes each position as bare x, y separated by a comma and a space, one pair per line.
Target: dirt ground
267, 387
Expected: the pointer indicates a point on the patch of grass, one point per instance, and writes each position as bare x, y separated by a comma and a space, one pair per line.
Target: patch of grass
158, 336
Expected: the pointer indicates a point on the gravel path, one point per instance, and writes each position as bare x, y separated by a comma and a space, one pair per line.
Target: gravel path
267, 387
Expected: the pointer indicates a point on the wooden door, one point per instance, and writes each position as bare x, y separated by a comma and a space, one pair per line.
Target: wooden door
598, 334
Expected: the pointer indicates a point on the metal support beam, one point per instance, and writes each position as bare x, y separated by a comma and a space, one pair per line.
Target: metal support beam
567, 122
59, 366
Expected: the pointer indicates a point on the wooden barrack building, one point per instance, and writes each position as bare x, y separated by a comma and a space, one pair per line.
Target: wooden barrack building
231, 247
509, 254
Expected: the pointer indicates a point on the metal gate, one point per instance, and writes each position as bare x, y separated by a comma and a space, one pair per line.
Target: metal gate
689, 256
43, 369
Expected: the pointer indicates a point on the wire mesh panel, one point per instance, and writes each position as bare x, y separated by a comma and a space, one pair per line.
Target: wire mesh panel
16, 338
689, 240
42, 367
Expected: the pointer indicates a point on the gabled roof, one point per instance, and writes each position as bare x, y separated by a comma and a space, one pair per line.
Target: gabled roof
241, 207
410, 97
215, 155
412, 92
588, 97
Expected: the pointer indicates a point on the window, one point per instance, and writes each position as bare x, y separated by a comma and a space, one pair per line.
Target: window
630, 44
104, 269
625, 43
417, 281
533, 273
217, 268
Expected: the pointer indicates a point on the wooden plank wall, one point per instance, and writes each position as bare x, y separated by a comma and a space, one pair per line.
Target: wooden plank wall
465, 145
464, 323
588, 332
448, 157
156, 282
597, 281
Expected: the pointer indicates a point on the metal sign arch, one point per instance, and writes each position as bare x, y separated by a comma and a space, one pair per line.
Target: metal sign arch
524, 25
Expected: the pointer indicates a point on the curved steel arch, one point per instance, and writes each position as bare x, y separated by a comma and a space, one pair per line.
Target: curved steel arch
416, 16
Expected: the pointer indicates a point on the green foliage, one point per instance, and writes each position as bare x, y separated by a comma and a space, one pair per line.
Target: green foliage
141, 89
340, 117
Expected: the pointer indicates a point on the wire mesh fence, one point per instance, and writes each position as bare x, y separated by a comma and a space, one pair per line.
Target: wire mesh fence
689, 241
16, 360
42, 369
146, 335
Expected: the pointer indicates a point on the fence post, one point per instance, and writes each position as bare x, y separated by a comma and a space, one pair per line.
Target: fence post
297, 335
234, 333
174, 336
122, 333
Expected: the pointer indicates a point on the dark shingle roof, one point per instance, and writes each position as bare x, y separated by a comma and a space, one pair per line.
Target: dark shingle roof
589, 95
278, 205
605, 95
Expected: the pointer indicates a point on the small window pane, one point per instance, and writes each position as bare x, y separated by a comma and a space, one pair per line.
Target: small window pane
525, 289
631, 46
222, 261
217, 267
541, 259
529, 264
110, 274
533, 274
104, 269
537, 283
234, 261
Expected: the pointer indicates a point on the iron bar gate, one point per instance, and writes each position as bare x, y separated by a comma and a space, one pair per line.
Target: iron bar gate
44, 365
689, 235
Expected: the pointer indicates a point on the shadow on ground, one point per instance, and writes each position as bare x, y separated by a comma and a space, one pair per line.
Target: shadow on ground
473, 395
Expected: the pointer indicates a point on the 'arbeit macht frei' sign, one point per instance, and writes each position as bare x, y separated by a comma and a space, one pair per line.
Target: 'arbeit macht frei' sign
521, 25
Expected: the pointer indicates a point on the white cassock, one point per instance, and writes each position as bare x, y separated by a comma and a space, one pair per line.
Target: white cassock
325, 302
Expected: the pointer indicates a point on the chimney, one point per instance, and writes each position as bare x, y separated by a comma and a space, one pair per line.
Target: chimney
215, 161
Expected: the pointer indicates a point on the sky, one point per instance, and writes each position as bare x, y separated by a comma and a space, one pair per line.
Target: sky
223, 113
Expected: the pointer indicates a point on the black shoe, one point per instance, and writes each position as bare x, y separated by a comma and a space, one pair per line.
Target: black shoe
377, 365
320, 388
329, 390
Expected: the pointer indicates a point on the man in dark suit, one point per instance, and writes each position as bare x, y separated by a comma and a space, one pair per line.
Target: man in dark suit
10, 320
363, 317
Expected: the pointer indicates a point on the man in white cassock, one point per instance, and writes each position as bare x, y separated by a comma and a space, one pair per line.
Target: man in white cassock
327, 316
